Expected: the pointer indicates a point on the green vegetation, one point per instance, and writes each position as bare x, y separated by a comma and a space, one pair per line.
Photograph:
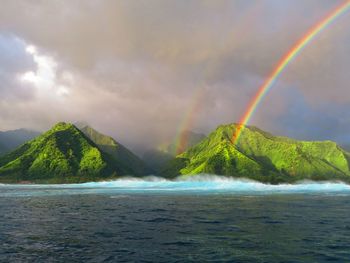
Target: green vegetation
66, 154
61, 155
191, 139
157, 158
125, 157
262, 156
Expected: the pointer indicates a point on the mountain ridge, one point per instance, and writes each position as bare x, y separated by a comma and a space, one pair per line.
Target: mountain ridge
116, 150
68, 154
63, 154
157, 158
11, 139
261, 156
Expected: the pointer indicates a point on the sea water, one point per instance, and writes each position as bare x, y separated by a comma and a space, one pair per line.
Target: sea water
205, 218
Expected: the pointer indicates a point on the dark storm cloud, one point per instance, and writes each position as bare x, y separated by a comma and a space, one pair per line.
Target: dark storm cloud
131, 68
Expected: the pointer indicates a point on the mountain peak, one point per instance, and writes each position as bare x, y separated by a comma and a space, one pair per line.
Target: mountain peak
62, 126
81, 124
62, 154
261, 156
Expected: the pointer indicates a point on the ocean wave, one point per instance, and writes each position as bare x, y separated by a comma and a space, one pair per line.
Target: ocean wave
203, 183
206, 182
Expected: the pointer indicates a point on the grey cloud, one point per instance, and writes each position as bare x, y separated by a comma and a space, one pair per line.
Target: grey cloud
137, 64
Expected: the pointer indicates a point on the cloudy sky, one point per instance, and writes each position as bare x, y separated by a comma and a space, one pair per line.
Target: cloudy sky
134, 69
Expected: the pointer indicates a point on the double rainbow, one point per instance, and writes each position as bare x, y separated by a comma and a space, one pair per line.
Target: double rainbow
283, 63
182, 136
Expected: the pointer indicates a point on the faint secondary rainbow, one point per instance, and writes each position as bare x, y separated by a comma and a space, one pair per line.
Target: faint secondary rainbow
283, 63
182, 136
181, 139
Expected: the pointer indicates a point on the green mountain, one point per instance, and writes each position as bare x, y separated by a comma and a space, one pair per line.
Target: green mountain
10, 140
116, 150
157, 158
191, 139
261, 156
61, 155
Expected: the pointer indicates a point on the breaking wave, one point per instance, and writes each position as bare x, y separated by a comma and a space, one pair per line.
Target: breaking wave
199, 184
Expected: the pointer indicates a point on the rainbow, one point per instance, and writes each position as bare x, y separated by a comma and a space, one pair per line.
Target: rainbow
181, 139
283, 63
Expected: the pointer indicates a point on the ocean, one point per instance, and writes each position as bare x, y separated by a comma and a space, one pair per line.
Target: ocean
206, 218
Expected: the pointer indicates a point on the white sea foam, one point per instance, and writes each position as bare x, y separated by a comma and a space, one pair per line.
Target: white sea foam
203, 183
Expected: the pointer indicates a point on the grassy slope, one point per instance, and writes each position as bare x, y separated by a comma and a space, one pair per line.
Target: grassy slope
261, 156
125, 157
157, 158
192, 138
63, 154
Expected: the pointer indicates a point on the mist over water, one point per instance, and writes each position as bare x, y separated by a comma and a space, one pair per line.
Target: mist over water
200, 184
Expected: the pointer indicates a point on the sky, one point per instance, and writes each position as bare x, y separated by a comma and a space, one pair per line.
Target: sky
134, 69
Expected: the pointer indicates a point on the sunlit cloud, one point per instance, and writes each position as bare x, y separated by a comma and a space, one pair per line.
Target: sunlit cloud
44, 77
31, 49
140, 62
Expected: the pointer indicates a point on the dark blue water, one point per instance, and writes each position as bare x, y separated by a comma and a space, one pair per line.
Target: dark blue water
59, 224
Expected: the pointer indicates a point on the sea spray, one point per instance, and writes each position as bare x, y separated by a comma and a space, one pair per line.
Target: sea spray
198, 184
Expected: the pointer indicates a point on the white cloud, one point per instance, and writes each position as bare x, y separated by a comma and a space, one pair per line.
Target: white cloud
138, 64
31, 49
45, 76
62, 91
